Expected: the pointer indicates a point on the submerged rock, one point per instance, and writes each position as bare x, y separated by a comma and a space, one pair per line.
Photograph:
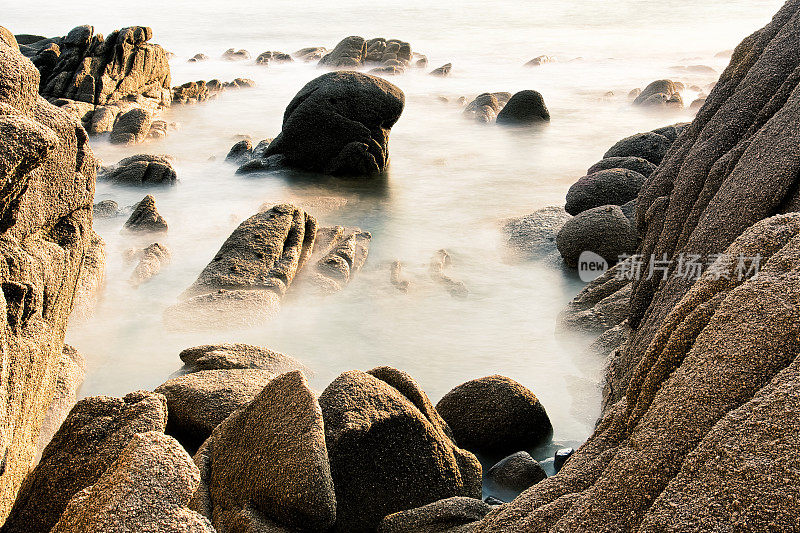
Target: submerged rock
540, 60
91, 438
147, 488
313, 53
351, 52
198, 402
660, 92
228, 356
389, 450
533, 236
339, 123
248, 277
151, 260
141, 169
442, 71
439, 263
265, 58
524, 108
268, 463
517, 472
458, 514
495, 415
145, 217
231, 54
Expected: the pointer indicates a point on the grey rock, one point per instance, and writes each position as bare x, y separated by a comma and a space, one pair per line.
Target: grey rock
228, 356
604, 230
637, 164
605, 187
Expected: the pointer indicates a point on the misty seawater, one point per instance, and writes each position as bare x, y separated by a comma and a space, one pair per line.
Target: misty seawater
450, 184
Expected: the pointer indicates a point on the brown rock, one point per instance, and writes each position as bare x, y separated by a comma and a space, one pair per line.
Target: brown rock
146, 489
268, 463
145, 217
452, 515
92, 437
227, 356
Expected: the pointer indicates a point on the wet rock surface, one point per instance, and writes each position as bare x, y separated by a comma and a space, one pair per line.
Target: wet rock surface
517, 472
141, 169
452, 515
227, 356
146, 218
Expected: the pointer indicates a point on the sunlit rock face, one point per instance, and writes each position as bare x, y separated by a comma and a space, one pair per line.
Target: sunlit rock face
48, 177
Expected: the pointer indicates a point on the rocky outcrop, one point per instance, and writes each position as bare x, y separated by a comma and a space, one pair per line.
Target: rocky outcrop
198, 402
389, 450
354, 52
702, 399
48, 174
265, 58
141, 169
495, 415
248, 277
452, 515
523, 109
146, 218
268, 463
91, 438
227, 356
338, 123
86, 67
146, 489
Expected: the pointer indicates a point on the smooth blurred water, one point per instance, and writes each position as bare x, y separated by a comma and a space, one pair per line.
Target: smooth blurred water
450, 184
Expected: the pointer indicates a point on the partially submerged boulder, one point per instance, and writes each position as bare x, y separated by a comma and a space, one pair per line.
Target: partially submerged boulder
141, 169
351, 52
339, 254
604, 230
248, 277
268, 463
660, 93
389, 450
533, 236
495, 414
147, 488
516, 472
151, 260
91, 438
523, 109
339, 123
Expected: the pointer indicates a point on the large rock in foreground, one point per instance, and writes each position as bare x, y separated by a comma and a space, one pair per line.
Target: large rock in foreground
495, 415
146, 489
268, 463
88, 442
339, 123
47, 177
247, 279
389, 449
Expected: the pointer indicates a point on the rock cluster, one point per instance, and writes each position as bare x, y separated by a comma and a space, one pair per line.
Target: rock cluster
520, 109
702, 400
48, 178
391, 56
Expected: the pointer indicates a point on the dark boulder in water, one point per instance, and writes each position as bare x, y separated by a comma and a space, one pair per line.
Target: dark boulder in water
339, 123
604, 230
495, 414
615, 186
525, 107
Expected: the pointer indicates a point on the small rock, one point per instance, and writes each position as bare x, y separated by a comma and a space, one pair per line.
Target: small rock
533, 237
151, 260
637, 164
524, 108
145, 217
232, 54
517, 472
442, 71
452, 515
541, 60
228, 356
198, 57
604, 230
650, 146
141, 169
106, 209
441, 261
561, 457
131, 127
